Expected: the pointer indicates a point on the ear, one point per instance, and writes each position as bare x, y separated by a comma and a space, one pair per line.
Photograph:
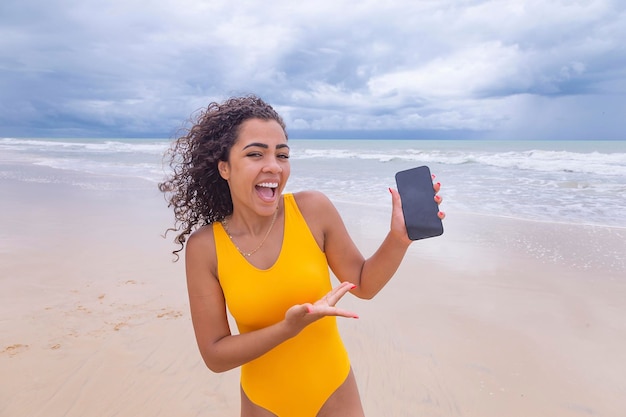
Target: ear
224, 169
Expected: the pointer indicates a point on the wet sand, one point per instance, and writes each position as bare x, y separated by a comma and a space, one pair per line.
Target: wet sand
497, 317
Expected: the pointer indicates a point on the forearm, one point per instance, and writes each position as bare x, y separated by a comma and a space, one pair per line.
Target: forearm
233, 351
381, 266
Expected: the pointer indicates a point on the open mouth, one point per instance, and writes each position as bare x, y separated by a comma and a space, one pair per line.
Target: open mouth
267, 190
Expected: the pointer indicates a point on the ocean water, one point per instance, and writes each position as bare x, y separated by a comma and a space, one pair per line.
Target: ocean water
574, 182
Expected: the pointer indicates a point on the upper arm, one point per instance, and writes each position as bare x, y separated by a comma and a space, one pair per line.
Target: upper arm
206, 298
344, 258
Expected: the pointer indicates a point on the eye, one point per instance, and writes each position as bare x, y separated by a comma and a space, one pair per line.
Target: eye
283, 155
254, 154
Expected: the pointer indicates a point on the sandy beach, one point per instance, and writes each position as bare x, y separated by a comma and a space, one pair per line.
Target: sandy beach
497, 317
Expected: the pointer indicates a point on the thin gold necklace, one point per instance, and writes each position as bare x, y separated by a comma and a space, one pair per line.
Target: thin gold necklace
249, 254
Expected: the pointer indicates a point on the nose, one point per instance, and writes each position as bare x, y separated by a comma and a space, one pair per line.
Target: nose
273, 165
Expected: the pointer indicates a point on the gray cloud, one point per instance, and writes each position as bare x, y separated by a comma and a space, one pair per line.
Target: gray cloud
493, 69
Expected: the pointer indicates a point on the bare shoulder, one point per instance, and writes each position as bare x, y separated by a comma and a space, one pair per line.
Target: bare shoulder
312, 201
202, 238
200, 250
318, 211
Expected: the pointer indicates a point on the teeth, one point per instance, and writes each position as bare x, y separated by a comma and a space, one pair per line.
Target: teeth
268, 184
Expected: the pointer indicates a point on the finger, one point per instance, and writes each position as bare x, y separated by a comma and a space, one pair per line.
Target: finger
338, 292
299, 310
324, 310
441, 215
340, 312
437, 187
438, 199
395, 198
396, 205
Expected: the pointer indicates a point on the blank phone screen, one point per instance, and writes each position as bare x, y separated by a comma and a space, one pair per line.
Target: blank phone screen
419, 207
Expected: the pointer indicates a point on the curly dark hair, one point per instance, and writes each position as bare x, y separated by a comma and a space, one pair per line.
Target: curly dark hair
195, 189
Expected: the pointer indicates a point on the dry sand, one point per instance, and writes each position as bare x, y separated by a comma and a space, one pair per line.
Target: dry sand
498, 317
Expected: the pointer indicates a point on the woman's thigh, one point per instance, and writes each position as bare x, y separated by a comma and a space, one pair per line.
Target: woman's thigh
345, 402
249, 409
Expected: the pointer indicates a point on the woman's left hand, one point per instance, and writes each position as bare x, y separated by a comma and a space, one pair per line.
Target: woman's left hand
301, 315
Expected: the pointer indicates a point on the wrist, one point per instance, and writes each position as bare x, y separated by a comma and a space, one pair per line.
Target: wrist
400, 240
288, 329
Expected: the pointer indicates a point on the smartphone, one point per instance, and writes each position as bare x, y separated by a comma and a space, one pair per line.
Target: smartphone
419, 207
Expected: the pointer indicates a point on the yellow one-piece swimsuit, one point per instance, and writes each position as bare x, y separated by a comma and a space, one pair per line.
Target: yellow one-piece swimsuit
295, 378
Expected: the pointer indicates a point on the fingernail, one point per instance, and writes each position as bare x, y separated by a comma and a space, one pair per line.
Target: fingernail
437, 198
355, 317
433, 176
440, 213
439, 184
308, 309
389, 190
353, 287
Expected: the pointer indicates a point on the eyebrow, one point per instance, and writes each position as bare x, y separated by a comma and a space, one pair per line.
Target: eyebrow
265, 146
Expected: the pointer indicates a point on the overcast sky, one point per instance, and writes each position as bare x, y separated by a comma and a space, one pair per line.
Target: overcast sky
333, 68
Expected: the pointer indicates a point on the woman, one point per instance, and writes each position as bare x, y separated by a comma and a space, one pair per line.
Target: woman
266, 256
